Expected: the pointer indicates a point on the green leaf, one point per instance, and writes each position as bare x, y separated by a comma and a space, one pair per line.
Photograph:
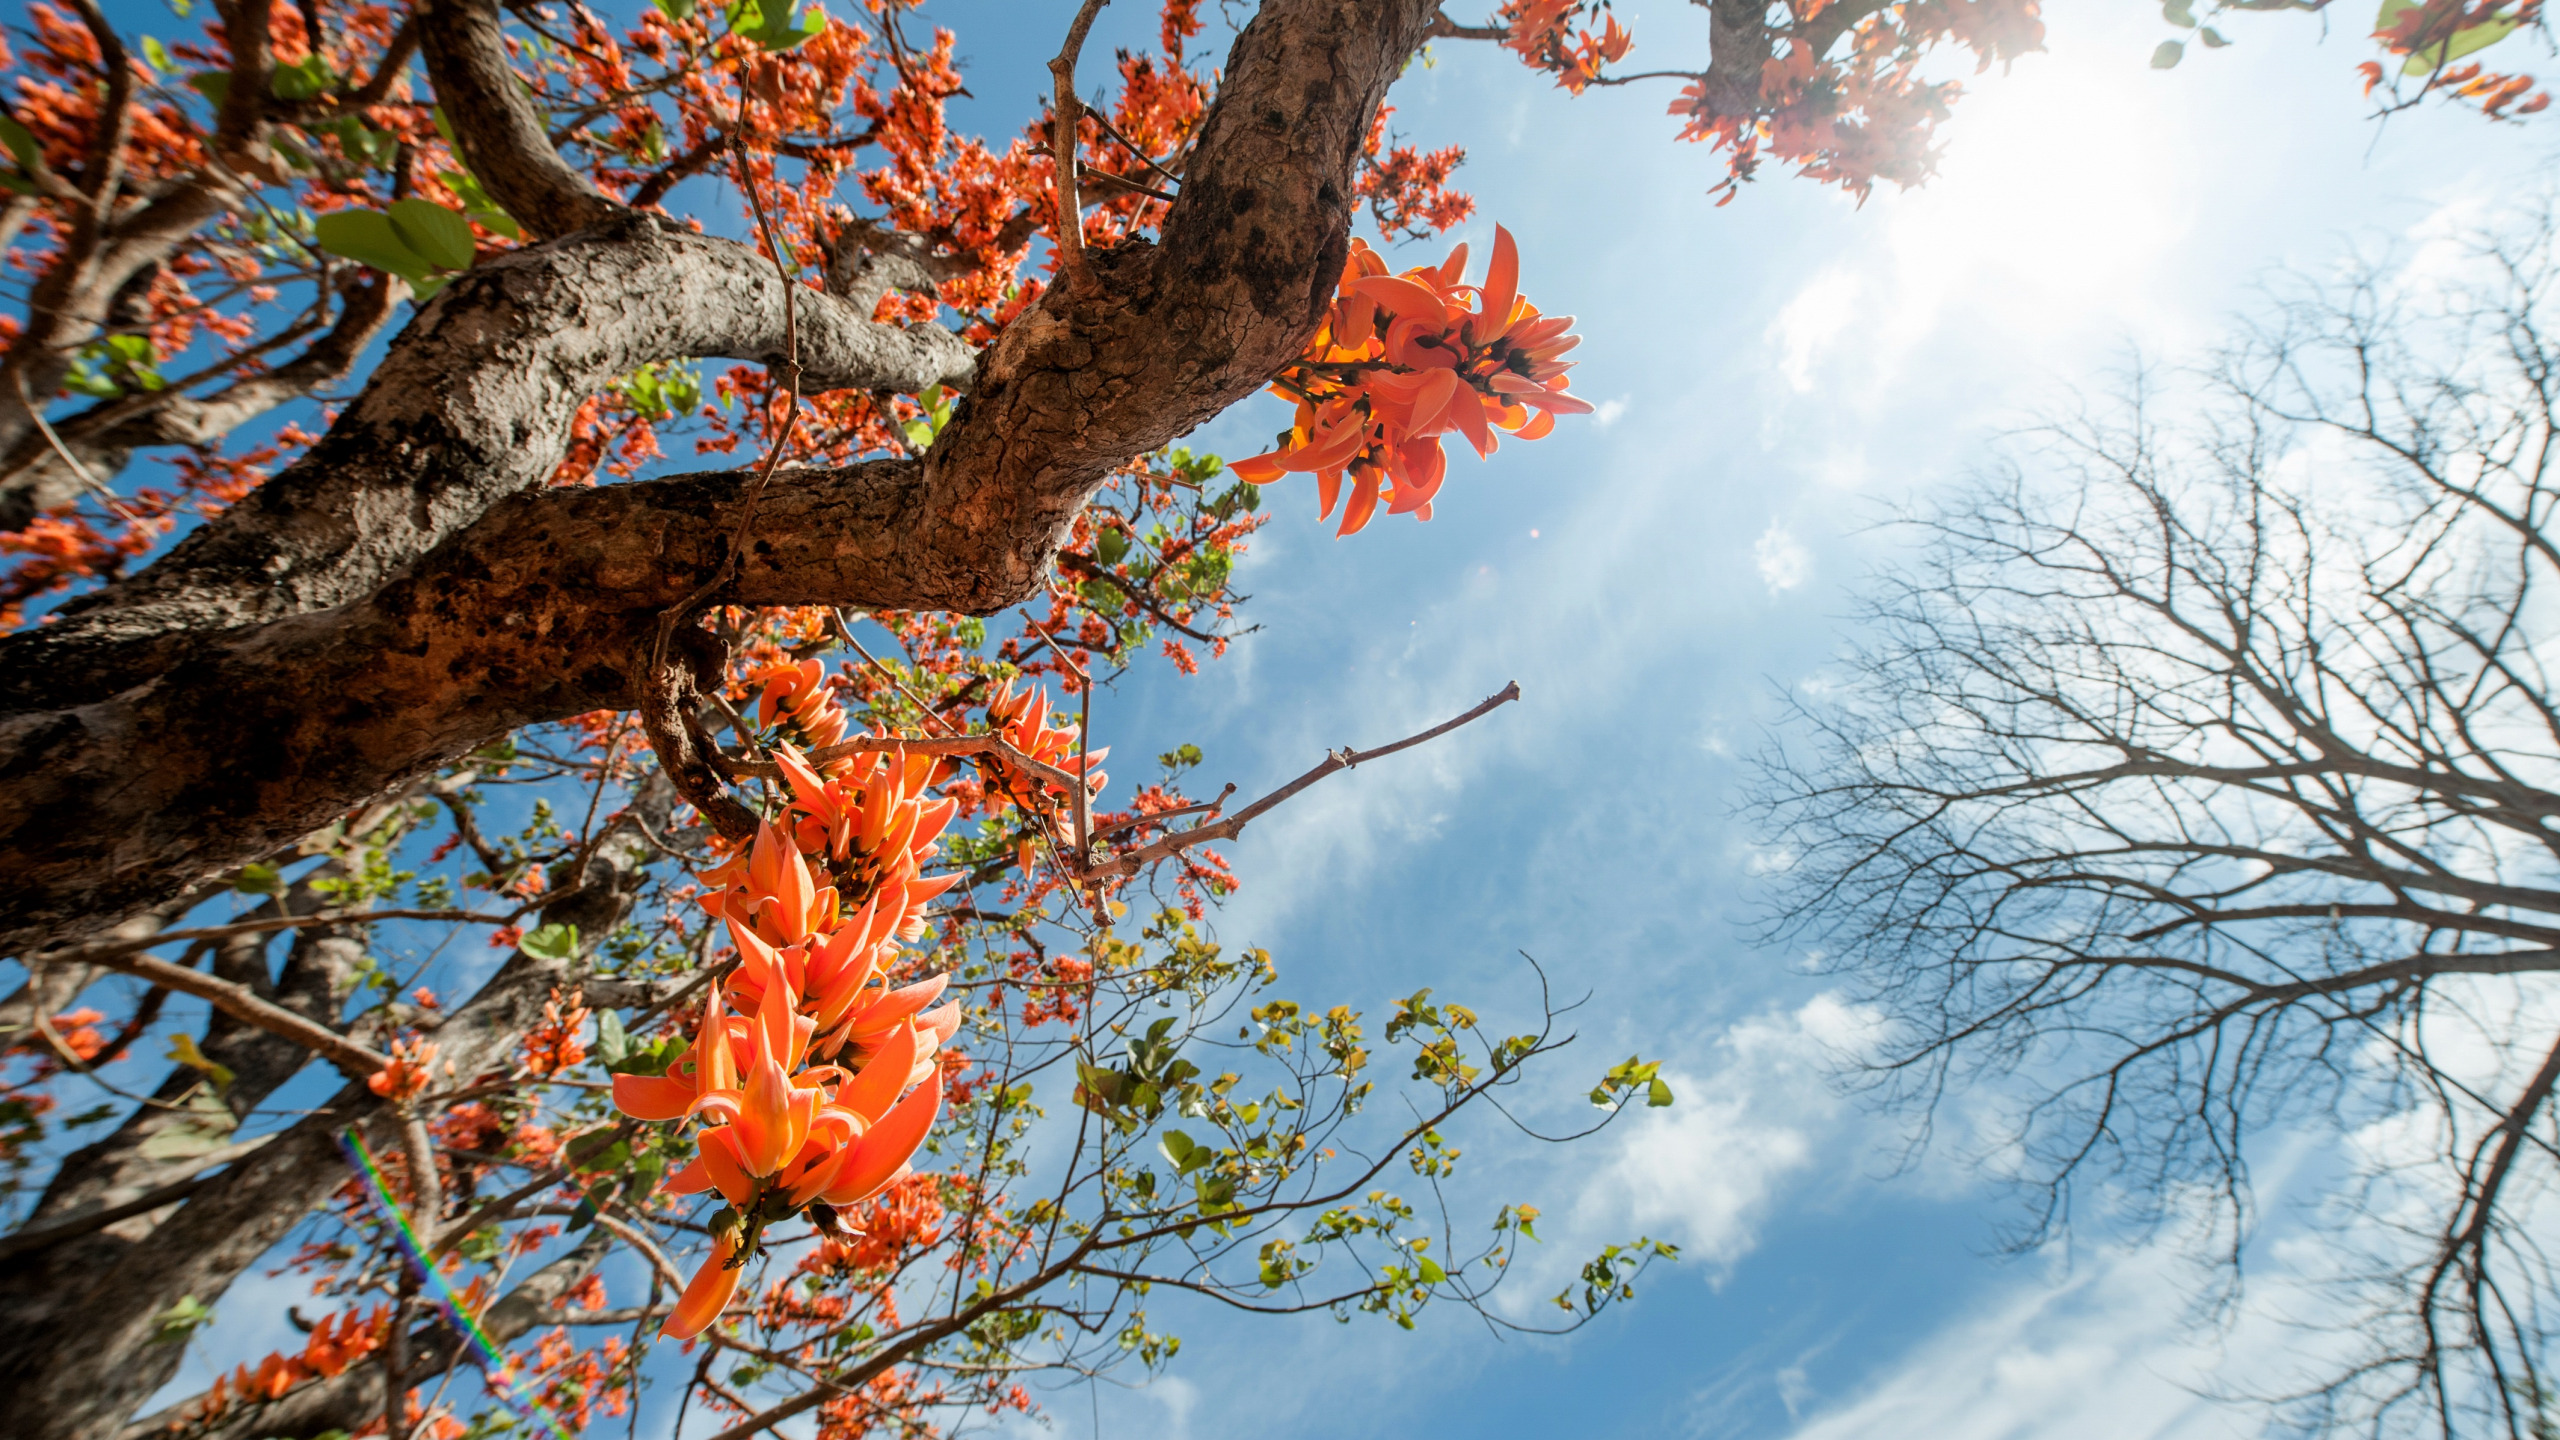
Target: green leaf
777, 30
676, 10
182, 1048
367, 237
499, 221
431, 230
1186, 1154
1657, 1095
2180, 13
303, 79
1429, 1270
214, 85
2464, 42
611, 1043
599, 1150
174, 1325
157, 54
651, 1059
555, 941
260, 878
21, 143
2168, 55
2212, 38
205, 1127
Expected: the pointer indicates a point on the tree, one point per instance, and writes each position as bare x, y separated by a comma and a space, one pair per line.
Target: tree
2200, 777
431, 662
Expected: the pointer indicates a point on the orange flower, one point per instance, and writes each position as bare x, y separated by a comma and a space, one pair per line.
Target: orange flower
1404, 359
800, 693
406, 1075
1022, 720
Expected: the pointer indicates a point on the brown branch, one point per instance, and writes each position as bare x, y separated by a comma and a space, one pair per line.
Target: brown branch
1233, 825
1444, 28
1205, 807
1143, 157
1065, 136
91, 1221
242, 1004
495, 124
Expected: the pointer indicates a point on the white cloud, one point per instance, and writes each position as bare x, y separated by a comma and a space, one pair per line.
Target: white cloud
1809, 323
1608, 412
2110, 1348
1784, 562
1705, 1171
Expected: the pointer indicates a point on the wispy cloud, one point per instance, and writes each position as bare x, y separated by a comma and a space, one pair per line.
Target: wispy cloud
1781, 558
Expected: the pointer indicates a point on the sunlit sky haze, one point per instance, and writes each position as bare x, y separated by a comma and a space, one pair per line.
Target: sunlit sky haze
1659, 577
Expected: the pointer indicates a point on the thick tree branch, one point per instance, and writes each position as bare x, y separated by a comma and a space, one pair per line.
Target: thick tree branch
165, 730
471, 405
494, 122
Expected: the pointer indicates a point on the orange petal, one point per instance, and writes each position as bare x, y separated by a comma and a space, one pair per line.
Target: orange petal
1501, 281
719, 1147
1404, 296
1364, 502
706, 1295
693, 1179
876, 1088
1467, 408
1454, 268
889, 1144
714, 1067
1328, 489
651, 1097
1424, 466
1256, 469
897, 1006
1431, 403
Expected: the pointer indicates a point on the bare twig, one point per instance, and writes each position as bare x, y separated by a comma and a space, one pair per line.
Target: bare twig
242, 1004
1233, 825
115, 506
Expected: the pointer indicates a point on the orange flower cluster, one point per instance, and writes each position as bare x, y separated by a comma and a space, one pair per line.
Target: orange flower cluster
555, 1044
1542, 34
1021, 717
1403, 359
407, 1074
824, 1081
2434, 33
336, 1343
800, 693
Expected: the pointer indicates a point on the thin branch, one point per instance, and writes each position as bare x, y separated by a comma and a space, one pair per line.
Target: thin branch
242, 1004
1233, 825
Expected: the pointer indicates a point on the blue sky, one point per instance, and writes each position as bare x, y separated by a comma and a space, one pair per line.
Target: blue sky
1659, 578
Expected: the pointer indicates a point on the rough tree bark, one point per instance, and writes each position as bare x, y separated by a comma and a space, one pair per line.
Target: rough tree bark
410, 589
76, 1318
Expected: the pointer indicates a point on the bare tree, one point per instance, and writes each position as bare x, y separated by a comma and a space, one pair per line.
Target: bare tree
2199, 779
